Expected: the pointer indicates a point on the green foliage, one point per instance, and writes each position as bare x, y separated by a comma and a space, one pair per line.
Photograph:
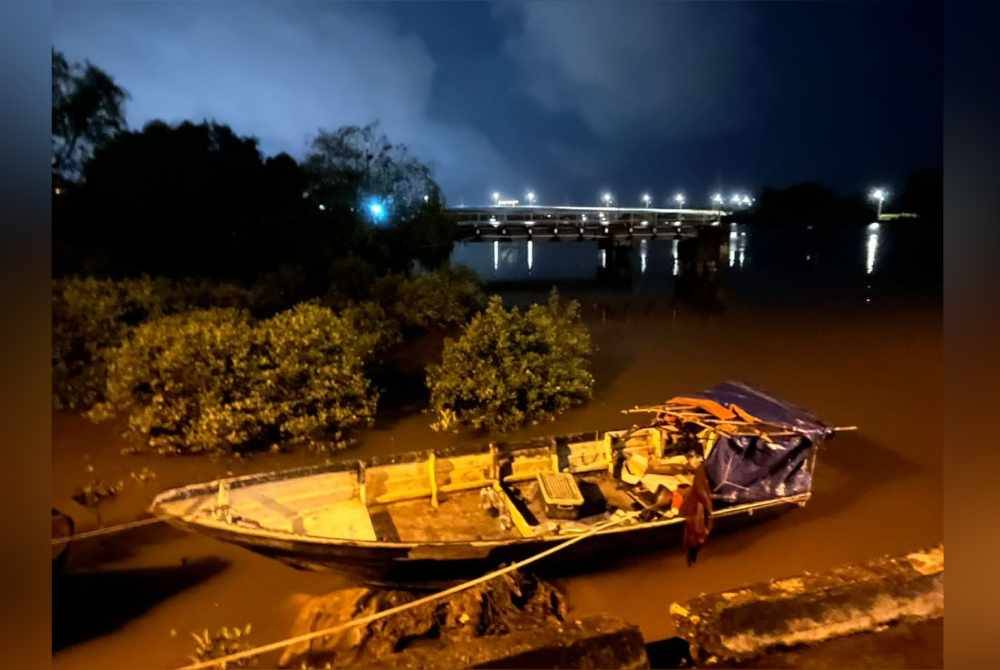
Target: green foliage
512, 367
312, 388
92, 316
375, 331
445, 297
213, 380
351, 279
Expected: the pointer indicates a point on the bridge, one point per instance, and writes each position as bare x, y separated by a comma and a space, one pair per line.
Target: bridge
579, 222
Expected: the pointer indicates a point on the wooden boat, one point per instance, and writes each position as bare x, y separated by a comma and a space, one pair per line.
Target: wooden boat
425, 516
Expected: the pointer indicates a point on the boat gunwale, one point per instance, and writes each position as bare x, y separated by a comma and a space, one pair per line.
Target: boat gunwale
346, 465
319, 540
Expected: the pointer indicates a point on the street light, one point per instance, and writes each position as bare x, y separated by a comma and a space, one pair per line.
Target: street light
718, 200
879, 195
530, 197
746, 201
679, 199
647, 199
496, 197
607, 199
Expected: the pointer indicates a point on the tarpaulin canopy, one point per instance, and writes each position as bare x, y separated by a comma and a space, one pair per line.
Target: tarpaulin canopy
746, 468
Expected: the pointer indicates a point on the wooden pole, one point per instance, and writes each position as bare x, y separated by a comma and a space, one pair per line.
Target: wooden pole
432, 474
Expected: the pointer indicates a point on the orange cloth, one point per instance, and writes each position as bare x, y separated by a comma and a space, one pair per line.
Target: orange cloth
677, 500
718, 410
697, 510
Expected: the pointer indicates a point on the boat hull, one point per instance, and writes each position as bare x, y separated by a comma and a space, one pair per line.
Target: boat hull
429, 566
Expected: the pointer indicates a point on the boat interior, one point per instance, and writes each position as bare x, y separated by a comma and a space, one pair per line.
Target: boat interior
556, 487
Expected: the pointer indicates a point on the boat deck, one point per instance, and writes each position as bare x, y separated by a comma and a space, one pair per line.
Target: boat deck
439, 499
458, 517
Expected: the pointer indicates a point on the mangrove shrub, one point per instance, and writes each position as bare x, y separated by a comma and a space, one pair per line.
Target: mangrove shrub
214, 380
92, 316
512, 367
439, 299
89, 317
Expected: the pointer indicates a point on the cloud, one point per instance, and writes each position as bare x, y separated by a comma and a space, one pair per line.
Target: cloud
676, 69
278, 72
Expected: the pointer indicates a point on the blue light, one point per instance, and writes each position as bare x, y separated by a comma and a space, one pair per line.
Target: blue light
377, 210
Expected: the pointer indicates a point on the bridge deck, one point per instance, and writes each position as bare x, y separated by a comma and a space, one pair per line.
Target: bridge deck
581, 222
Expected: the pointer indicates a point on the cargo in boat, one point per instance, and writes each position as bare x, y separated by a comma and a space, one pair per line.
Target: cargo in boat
425, 515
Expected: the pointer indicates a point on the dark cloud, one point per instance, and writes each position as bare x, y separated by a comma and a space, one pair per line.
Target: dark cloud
278, 74
566, 98
631, 68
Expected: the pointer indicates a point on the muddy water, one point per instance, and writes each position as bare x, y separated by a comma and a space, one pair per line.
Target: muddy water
832, 321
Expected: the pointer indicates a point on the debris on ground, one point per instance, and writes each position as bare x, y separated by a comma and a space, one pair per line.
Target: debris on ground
143, 475
97, 490
510, 616
221, 643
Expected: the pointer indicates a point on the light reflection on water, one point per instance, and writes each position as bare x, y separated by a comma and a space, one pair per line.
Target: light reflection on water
871, 248
840, 261
734, 237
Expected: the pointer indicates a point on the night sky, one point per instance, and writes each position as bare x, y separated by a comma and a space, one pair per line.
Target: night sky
567, 99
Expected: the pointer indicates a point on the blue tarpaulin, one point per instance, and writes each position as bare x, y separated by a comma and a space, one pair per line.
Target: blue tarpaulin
747, 469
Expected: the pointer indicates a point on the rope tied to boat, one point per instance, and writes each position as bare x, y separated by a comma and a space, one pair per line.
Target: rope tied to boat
223, 661
107, 530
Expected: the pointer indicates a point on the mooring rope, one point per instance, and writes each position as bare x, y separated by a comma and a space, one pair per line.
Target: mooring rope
108, 530
222, 661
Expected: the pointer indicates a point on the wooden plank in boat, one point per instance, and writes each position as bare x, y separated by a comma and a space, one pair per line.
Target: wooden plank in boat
347, 519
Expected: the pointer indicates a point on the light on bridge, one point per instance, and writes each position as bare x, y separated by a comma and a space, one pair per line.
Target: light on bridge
879, 195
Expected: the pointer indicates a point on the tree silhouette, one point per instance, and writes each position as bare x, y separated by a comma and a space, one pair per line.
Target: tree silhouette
87, 110
355, 162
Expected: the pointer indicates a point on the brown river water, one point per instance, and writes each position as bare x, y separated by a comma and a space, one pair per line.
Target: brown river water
845, 323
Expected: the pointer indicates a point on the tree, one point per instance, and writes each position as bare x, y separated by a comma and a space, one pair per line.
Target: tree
512, 367
87, 110
188, 200
354, 163
923, 195
214, 380
809, 203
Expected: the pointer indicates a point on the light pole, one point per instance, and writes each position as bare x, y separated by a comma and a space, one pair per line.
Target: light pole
607, 199
530, 197
679, 199
718, 200
496, 198
879, 195
647, 199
